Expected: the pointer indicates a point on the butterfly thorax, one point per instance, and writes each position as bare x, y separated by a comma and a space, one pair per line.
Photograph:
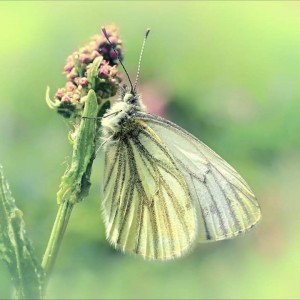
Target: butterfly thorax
119, 121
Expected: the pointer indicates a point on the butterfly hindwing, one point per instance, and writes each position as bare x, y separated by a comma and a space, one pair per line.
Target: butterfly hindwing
225, 204
147, 205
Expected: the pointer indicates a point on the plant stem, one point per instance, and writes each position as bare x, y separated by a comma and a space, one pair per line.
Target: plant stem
75, 183
56, 237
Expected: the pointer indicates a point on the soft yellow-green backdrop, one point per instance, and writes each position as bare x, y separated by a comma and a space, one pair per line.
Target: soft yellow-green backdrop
229, 72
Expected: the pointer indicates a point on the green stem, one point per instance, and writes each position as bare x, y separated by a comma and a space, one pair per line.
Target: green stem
56, 237
75, 183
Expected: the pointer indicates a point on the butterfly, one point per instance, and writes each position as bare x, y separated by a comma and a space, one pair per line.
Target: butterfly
163, 189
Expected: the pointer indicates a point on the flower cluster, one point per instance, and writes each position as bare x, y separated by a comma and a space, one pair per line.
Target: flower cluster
94, 66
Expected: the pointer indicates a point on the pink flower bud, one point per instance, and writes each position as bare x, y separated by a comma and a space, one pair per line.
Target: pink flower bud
78, 67
83, 81
72, 75
103, 72
83, 58
94, 54
104, 68
68, 67
66, 98
70, 86
113, 39
93, 45
59, 94
113, 71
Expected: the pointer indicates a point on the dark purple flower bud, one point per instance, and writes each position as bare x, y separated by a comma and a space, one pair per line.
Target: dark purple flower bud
112, 54
104, 50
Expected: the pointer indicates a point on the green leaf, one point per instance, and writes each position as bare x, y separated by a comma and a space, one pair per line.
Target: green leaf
75, 183
15, 247
92, 73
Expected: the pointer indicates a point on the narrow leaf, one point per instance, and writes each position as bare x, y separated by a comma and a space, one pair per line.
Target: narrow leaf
75, 183
15, 247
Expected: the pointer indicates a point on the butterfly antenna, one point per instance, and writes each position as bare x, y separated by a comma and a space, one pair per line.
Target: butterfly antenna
118, 56
140, 59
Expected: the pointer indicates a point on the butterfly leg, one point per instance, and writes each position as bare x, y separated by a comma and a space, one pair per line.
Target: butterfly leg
103, 143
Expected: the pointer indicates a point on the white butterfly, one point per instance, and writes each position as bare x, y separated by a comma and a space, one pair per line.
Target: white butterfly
163, 188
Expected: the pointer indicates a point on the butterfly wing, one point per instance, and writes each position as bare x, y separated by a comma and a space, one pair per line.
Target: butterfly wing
147, 206
225, 204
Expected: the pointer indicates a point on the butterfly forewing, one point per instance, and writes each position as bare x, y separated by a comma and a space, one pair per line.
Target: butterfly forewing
147, 203
224, 202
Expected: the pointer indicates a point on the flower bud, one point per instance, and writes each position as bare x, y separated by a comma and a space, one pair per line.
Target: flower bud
66, 98
70, 86
83, 81
60, 93
94, 66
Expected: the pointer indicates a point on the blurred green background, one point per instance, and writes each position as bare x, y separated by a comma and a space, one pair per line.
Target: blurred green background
226, 71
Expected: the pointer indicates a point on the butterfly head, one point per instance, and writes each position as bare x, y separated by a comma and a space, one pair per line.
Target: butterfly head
119, 117
131, 98
122, 112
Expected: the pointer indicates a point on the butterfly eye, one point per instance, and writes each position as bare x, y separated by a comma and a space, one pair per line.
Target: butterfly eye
132, 100
128, 98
